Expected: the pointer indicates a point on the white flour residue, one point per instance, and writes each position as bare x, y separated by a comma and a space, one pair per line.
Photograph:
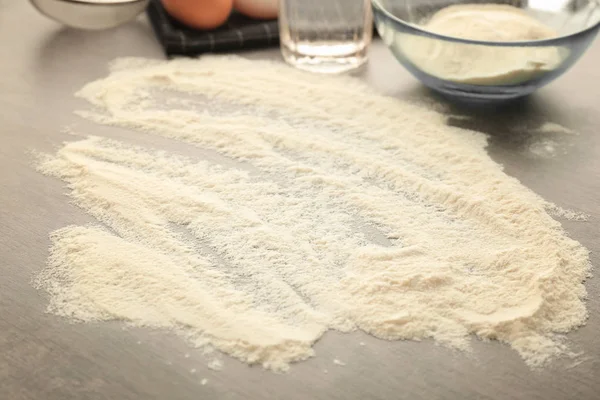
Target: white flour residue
343, 210
215, 364
544, 148
552, 127
549, 140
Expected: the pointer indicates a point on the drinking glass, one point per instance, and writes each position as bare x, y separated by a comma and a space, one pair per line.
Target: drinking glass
325, 35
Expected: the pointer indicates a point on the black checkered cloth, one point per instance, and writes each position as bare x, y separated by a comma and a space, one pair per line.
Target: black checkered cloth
238, 33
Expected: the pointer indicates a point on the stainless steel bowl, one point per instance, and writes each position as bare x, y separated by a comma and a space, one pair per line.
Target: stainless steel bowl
91, 14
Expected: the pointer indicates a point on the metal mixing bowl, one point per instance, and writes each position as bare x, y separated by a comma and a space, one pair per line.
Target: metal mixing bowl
91, 14
400, 24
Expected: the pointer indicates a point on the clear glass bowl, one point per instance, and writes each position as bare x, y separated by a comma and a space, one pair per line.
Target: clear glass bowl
477, 70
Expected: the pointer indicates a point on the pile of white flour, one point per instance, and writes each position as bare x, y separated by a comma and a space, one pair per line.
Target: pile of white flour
329, 207
482, 64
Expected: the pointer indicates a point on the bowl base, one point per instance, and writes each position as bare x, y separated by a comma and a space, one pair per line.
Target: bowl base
495, 95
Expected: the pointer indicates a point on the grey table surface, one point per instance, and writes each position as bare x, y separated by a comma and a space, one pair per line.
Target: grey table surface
45, 357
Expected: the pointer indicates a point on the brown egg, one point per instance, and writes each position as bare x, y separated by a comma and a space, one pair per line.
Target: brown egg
200, 14
260, 9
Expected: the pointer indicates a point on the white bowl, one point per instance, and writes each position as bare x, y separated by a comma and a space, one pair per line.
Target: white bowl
91, 14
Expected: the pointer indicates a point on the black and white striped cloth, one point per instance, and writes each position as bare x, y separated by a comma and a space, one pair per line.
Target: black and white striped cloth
238, 33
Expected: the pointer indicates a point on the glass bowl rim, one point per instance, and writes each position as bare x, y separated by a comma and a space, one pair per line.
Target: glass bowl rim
559, 40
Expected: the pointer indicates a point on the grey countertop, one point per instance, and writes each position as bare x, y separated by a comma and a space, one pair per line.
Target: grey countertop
43, 357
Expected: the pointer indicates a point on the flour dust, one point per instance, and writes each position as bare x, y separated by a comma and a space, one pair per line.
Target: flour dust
341, 209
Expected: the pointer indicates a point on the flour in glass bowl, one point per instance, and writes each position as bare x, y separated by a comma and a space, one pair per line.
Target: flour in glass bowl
481, 64
329, 207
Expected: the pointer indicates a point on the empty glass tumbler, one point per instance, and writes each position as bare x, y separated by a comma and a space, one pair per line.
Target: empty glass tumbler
325, 35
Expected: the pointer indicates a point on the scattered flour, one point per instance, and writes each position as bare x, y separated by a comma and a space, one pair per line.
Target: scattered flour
481, 64
215, 365
549, 140
552, 127
544, 148
338, 362
329, 207
204, 381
